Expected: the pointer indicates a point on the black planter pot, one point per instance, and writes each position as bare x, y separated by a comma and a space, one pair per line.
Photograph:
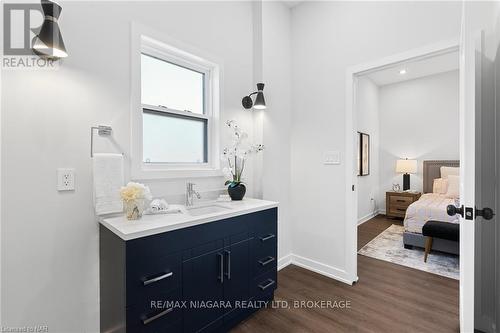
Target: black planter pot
236, 192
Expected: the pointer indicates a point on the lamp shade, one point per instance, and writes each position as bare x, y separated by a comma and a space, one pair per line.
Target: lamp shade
406, 166
49, 42
260, 102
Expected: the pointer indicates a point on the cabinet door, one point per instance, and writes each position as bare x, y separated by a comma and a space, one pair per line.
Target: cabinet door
237, 276
203, 284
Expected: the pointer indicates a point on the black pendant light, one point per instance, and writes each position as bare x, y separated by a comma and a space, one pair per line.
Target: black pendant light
260, 102
48, 43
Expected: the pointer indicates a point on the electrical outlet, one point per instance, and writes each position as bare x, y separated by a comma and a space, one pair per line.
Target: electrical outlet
65, 179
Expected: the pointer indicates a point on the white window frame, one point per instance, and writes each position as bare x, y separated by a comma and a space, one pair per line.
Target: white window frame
150, 42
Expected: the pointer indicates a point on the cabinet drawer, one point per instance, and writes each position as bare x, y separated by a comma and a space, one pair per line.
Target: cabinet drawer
264, 285
399, 200
397, 211
265, 244
265, 264
151, 277
264, 228
175, 327
163, 313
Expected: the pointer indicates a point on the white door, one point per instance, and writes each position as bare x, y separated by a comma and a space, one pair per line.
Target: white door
467, 174
478, 182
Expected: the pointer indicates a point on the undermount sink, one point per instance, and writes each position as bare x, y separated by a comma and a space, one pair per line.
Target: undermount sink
207, 209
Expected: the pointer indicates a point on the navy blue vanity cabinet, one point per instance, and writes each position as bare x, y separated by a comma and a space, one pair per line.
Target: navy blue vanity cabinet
203, 283
169, 282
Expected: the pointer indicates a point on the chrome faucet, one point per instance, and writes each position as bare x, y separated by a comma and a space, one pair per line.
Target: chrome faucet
190, 192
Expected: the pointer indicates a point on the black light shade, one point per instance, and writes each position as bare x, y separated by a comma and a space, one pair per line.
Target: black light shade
260, 102
49, 42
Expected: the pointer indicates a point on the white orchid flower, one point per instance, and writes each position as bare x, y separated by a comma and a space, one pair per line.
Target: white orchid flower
237, 152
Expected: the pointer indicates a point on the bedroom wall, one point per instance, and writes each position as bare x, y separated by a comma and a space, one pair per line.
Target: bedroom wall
418, 120
367, 102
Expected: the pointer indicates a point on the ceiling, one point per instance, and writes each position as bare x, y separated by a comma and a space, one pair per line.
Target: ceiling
415, 69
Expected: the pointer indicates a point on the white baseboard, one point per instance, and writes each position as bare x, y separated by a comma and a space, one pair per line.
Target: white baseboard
368, 217
284, 261
315, 266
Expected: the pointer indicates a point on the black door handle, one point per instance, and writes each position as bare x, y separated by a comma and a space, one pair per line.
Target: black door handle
453, 210
486, 213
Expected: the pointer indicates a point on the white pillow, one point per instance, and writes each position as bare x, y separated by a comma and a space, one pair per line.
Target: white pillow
453, 191
440, 186
449, 171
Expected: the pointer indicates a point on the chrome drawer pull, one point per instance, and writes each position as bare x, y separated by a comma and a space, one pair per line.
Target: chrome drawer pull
263, 239
266, 261
269, 284
158, 278
228, 274
156, 316
221, 265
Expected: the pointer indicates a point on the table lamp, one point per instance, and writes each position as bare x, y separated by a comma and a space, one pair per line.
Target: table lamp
406, 167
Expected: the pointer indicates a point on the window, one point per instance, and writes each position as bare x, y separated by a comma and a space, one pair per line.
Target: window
172, 86
173, 138
174, 121
174, 110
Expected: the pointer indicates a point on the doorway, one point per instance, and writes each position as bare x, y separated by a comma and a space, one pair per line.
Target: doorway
479, 306
406, 151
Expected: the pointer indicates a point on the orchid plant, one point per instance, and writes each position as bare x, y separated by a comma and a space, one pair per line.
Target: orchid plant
237, 154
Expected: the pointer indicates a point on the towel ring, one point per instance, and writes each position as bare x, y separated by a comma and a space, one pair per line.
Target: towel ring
101, 131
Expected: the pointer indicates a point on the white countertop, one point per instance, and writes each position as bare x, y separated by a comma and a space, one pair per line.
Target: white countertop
154, 224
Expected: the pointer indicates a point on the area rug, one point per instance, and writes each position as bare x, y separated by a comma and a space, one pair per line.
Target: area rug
388, 246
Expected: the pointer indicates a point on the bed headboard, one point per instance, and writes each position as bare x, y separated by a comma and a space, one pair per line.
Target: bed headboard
432, 171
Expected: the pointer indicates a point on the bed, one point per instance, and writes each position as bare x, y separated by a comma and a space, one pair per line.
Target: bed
430, 206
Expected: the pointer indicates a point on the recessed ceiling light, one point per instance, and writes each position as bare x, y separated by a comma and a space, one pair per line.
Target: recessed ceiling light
402, 71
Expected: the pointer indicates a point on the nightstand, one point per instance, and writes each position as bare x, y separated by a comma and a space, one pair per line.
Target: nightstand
396, 203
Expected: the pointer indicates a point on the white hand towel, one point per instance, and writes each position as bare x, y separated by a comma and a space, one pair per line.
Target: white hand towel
108, 180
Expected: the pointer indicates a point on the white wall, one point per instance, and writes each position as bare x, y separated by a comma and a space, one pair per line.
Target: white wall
277, 118
328, 37
418, 120
367, 115
50, 239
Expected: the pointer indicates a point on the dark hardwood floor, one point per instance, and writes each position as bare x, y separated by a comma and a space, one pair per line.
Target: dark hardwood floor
387, 298
370, 229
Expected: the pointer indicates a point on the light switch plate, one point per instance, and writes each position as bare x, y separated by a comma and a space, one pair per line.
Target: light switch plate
331, 157
65, 179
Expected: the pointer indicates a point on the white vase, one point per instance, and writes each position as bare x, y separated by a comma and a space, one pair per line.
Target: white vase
133, 209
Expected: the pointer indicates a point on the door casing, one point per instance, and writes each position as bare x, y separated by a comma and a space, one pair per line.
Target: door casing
352, 74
